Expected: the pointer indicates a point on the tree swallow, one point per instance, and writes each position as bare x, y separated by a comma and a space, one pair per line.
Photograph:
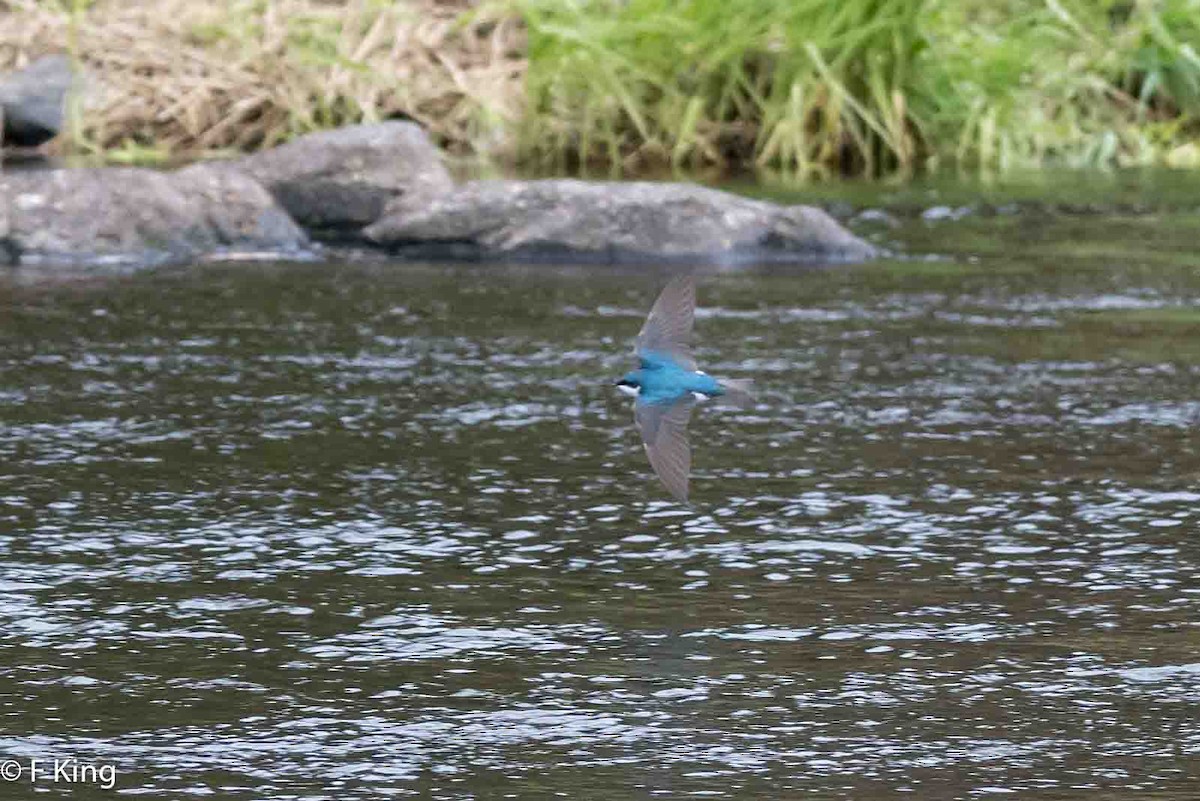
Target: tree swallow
668, 384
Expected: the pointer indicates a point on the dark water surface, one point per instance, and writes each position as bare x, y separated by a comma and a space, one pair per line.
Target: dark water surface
358, 532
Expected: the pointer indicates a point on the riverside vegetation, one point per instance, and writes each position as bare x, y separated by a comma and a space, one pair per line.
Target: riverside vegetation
802, 88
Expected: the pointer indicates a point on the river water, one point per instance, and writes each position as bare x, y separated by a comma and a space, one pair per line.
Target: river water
368, 530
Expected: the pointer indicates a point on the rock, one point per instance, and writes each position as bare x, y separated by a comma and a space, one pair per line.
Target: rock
877, 216
341, 180
567, 220
240, 212
8, 246
137, 216
937, 213
33, 101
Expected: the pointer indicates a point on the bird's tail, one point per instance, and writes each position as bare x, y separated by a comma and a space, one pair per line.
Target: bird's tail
738, 391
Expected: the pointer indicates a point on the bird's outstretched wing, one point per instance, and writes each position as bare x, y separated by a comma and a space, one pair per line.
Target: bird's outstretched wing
668, 329
664, 434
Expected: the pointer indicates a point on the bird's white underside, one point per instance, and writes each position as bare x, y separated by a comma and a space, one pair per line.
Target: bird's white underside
632, 392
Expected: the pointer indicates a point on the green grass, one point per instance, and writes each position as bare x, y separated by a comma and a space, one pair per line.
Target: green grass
811, 88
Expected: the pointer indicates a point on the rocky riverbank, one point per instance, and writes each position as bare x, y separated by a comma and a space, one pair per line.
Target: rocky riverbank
383, 188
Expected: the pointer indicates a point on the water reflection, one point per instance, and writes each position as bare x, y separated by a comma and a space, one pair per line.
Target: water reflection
312, 532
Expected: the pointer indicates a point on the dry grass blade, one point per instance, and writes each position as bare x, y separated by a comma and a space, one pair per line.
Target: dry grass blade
183, 78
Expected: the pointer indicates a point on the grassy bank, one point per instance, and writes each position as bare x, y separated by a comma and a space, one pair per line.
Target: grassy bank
804, 88
809, 87
183, 78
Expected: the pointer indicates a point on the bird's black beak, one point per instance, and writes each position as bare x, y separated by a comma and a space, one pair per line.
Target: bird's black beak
624, 383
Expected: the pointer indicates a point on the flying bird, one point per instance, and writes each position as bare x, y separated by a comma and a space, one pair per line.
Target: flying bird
668, 384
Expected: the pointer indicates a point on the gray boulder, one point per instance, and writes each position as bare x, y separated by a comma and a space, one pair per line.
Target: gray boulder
341, 180
33, 101
566, 220
238, 211
138, 217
